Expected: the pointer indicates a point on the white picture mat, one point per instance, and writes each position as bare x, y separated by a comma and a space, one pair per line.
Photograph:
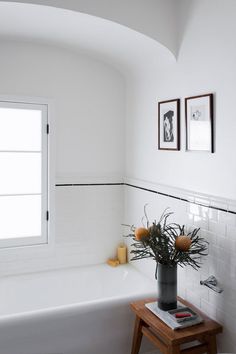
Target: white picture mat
199, 124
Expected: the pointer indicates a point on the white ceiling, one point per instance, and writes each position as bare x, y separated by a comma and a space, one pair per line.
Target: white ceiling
126, 49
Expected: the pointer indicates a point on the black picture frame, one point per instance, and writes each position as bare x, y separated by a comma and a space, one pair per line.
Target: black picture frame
169, 125
199, 122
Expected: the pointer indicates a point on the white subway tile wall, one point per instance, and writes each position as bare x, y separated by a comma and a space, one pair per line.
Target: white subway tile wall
219, 228
88, 229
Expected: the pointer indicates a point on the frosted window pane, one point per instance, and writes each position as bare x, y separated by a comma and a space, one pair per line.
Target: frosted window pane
20, 129
20, 173
20, 216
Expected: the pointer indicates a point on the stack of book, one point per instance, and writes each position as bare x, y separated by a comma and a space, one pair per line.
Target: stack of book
181, 317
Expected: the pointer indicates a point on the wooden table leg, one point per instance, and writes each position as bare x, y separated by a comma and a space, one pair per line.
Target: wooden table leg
174, 349
211, 345
137, 336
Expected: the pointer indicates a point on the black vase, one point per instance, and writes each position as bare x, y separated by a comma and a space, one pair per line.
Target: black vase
167, 287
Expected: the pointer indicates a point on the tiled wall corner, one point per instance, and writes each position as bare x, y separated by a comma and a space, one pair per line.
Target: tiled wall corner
216, 219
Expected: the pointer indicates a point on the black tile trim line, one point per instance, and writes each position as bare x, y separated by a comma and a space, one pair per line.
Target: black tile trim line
144, 189
88, 184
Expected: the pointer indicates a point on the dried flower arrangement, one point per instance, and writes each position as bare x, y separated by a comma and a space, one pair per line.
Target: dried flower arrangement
167, 243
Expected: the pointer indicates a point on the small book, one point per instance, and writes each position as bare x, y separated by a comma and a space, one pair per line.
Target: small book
181, 317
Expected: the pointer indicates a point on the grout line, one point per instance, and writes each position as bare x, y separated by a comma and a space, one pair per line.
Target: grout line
144, 189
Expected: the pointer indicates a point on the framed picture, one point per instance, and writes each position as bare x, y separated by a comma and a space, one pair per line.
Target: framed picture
169, 125
199, 123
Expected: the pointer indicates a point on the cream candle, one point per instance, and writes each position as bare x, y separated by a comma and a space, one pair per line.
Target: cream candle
122, 253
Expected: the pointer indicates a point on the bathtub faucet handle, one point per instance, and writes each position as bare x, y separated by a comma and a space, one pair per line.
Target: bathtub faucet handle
211, 283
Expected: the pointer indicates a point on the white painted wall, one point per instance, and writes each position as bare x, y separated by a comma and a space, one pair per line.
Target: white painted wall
89, 105
154, 18
206, 63
88, 99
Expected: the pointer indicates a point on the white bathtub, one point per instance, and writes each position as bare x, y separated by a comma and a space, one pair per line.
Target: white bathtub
70, 311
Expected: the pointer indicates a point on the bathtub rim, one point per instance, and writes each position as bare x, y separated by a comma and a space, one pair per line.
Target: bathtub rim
77, 307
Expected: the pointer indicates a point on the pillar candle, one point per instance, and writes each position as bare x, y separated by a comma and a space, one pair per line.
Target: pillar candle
122, 253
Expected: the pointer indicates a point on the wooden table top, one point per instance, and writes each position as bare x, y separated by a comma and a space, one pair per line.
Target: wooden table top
208, 327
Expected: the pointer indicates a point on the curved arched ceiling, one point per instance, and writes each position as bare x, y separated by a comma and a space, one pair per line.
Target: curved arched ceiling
154, 18
126, 49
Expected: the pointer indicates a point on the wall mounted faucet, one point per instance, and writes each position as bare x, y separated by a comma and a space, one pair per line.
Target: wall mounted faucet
212, 282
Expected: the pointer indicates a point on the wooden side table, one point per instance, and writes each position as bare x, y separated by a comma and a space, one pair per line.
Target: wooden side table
169, 341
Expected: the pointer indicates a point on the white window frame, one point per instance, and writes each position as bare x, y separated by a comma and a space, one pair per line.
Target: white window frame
47, 234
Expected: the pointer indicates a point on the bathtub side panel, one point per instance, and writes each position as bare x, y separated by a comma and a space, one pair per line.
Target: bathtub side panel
103, 330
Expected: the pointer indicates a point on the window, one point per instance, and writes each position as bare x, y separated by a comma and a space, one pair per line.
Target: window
23, 174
